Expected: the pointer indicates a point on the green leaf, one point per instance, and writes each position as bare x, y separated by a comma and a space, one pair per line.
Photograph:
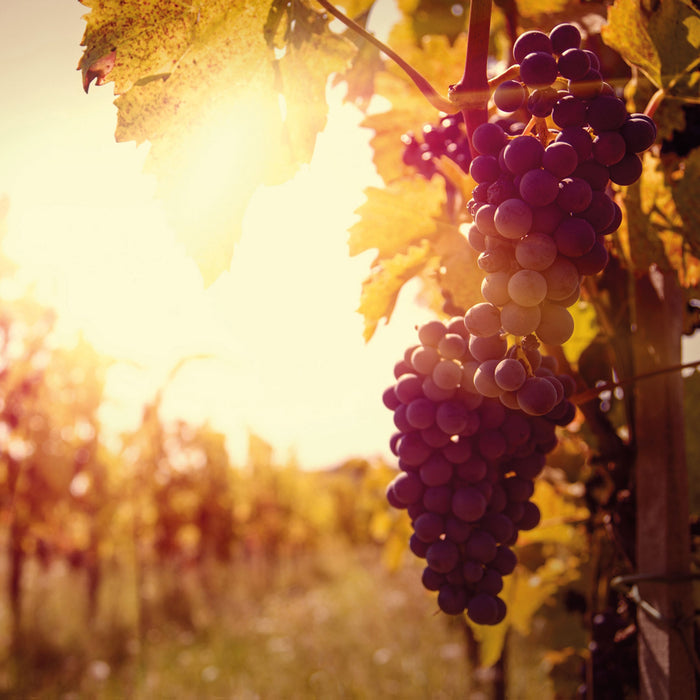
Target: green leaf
230, 95
663, 42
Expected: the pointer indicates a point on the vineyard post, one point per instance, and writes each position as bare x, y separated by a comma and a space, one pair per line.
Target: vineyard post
667, 660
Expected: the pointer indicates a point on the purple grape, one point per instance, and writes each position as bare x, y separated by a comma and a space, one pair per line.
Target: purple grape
606, 113
432, 580
484, 169
556, 326
412, 450
483, 320
560, 159
488, 139
490, 348
428, 527
595, 260
472, 470
408, 387
520, 320
513, 218
536, 251
523, 153
407, 488
573, 64
609, 148
589, 86
491, 444
442, 556
529, 42
575, 194
483, 609
627, 170
579, 138
541, 102
639, 133
537, 396
420, 413
468, 504
481, 546
491, 582
569, 111
452, 599
510, 96
505, 561
574, 237
538, 188
563, 37
600, 212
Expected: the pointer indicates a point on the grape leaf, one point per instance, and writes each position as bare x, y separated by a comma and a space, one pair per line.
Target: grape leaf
394, 217
380, 291
663, 42
661, 220
230, 95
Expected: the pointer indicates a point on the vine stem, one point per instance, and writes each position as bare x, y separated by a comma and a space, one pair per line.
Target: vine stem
429, 92
590, 394
472, 92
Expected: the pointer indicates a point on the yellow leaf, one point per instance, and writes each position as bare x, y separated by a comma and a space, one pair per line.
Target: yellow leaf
381, 289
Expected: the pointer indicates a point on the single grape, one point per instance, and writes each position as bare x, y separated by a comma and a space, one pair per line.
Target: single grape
483, 609
520, 320
505, 561
529, 42
492, 347
574, 64
408, 387
564, 36
536, 396
639, 133
420, 413
538, 187
488, 139
536, 251
510, 374
560, 159
574, 236
541, 101
407, 488
609, 148
452, 599
431, 333
452, 417
527, 287
575, 194
452, 346
600, 212
481, 546
484, 169
428, 527
556, 325
510, 96
627, 170
588, 87
431, 579
523, 153
569, 111
483, 319
436, 470
442, 556
494, 286
412, 450
512, 218
606, 113
468, 503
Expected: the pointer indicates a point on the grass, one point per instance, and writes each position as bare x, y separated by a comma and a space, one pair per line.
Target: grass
335, 624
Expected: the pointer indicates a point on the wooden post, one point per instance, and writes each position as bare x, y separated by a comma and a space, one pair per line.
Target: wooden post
666, 666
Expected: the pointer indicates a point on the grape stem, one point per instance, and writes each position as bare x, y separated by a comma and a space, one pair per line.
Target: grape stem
472, 92
590, 394
429, 92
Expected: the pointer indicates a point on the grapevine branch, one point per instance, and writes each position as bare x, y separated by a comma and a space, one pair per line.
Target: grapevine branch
429, 92
590, 394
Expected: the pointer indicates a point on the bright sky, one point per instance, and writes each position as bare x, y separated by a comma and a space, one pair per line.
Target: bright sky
287, 356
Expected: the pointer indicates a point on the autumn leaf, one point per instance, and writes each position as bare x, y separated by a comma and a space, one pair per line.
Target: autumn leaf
663, 42
229, 95
381, 289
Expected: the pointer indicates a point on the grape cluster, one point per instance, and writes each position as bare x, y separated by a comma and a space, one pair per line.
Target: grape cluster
446, 138
475, 415
541, 208
468, 464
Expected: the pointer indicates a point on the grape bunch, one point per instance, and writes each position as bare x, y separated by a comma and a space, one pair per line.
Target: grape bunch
541, 207
446, 138
468, 464
476, 403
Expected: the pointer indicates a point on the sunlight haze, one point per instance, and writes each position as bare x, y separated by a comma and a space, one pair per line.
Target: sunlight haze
276, 342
